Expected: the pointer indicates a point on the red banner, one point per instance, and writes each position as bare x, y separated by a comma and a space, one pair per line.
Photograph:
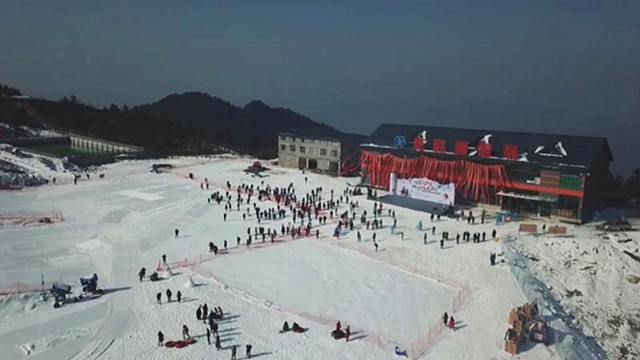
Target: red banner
439, 145
484, 149
418, 144
462, 148
510, 152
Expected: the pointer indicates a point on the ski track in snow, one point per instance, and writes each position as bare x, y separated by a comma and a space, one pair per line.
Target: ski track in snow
126, 221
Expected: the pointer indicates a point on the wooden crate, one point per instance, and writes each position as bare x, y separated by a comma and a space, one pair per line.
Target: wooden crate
531, 228
558, 230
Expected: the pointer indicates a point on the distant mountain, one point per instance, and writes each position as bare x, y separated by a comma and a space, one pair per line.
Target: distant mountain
253, 127
157, 136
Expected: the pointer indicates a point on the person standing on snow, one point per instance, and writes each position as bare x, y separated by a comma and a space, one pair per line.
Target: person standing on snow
248, 351
359, 236
218, 347
445, 318
347, 332
375, 244
185, 332
168, 295
177, 232
208, 336
159, 298
142, 274
452, 323
234, 348
160, 338
179, 296
199, 313
205, 311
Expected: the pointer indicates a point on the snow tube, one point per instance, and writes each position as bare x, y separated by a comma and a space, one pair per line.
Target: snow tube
170, 344
179, 344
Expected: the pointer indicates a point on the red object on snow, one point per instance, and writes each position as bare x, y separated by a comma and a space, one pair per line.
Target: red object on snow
179, 344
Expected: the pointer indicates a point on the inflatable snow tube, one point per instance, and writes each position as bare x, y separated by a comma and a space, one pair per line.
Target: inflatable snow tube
170, 344
179, 344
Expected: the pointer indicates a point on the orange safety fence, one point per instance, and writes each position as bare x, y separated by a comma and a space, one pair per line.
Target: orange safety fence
22, 288
25, 218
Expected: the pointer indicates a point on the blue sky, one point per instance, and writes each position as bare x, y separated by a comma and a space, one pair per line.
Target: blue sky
550, 66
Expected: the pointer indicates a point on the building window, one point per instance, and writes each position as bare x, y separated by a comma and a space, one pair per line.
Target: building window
283, 138
292, 148
301, 139
283, 147
323, 152
312, 151
334, 153
303, 149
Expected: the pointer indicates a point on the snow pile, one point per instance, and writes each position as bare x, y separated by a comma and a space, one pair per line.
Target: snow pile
189, 283
23, 168
588, 275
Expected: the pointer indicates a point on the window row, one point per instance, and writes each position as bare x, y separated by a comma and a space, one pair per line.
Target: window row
312, 151
311, 141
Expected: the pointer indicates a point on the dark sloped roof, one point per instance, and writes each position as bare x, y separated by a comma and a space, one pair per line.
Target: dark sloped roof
580, 150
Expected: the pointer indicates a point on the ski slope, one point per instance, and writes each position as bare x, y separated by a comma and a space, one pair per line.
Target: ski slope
116, 225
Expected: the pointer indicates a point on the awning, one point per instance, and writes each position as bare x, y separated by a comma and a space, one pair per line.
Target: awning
526, 197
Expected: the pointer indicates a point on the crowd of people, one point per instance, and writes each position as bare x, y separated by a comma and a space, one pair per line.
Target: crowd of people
304, 214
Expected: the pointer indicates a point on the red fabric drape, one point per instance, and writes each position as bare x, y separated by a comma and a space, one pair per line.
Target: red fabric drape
475, 180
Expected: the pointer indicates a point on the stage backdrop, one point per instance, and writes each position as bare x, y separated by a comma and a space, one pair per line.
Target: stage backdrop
423, 189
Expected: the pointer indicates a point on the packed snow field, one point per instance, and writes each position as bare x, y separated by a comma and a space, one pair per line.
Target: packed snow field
391, 297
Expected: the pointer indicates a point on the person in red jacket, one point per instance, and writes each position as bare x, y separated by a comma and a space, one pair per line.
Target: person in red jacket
338, 326
452, 323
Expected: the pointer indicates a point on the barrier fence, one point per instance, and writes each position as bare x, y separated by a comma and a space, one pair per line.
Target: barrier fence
417, 349
570, 342
25, 218
23, 288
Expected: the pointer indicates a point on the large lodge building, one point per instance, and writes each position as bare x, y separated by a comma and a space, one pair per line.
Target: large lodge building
560, 176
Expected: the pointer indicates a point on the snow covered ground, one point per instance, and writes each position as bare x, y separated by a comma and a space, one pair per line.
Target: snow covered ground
395, 296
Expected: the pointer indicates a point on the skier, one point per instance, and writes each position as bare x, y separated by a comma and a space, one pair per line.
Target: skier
218, 347
159, 298
208, 336
185, 332
401, 352
168, 295
160, 338
179, 296
142, 274
248, 351
176, 231
233, 352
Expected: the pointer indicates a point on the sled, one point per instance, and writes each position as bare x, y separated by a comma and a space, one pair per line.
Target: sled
179, 344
